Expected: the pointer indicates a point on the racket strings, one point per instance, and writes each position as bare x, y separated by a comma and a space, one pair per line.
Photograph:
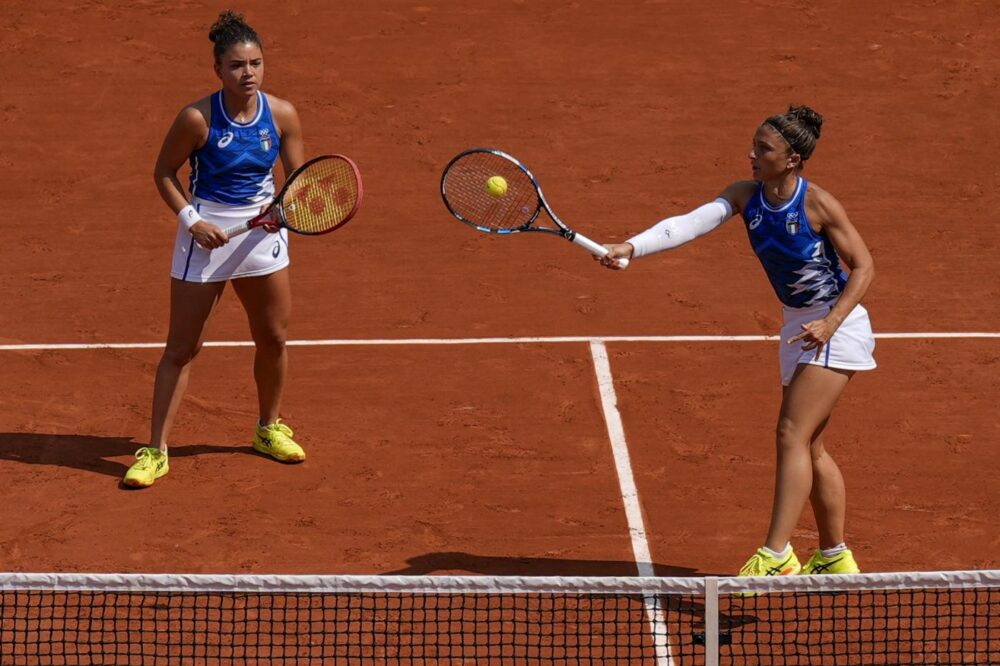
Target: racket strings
322, 197
466, 191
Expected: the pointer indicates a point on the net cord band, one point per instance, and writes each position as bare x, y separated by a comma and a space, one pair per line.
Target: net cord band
491, 584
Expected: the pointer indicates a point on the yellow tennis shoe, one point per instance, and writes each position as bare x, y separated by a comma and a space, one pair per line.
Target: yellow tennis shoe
764, 564
276, 441
150, 464
841, 563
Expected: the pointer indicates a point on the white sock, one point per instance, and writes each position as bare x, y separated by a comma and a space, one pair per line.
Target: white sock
779, 556
836, 550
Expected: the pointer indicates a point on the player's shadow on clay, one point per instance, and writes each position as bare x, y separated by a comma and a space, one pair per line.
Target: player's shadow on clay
466, 563
90, 453
690, 606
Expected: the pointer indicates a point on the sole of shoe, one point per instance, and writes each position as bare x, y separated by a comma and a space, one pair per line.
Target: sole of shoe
273, 456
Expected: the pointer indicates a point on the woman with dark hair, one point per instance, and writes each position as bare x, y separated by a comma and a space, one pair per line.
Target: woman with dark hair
231, 139
801, 234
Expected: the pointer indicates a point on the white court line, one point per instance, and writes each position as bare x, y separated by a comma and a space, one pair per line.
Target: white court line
630, 496
483, 341
623, 465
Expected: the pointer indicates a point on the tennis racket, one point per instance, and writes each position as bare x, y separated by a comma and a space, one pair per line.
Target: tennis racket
321, 195
493, 192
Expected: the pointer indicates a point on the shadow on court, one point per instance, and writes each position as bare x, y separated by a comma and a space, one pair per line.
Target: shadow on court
681, 604
88, 452
430, 563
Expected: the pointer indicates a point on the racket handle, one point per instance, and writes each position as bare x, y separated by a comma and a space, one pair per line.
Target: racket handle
597, 249
236, 229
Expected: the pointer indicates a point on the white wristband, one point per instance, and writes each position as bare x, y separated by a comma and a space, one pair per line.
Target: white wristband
188, 217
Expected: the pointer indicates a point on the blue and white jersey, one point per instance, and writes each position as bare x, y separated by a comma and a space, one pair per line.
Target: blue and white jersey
235, 166
803, 266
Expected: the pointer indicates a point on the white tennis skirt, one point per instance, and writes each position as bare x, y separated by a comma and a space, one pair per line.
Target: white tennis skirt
254, 253
851, 347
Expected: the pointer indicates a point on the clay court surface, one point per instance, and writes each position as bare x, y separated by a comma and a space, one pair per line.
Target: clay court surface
495, 458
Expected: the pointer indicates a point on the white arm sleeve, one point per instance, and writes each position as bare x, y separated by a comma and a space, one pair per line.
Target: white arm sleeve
675, 231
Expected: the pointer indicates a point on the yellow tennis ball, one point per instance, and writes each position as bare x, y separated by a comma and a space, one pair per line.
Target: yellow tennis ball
496, 186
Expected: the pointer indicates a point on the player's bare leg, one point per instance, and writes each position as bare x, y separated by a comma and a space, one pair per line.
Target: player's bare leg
267, 300
828, 496
805, 408
191, 305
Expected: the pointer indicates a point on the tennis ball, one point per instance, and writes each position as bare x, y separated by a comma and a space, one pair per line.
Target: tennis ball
496, 186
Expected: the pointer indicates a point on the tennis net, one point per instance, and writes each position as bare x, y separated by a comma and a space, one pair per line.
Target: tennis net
902, 618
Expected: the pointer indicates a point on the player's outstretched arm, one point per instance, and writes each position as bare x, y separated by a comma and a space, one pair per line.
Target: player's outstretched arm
675, 231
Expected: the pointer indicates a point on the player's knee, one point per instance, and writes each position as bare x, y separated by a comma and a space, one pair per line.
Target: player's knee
789, 434
179, 354
271, 342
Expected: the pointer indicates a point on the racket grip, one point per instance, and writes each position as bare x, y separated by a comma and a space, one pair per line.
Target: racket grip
236, 229
597, 249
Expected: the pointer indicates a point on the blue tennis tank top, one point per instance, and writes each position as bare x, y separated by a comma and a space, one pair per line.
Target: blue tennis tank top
803, 266
235, 166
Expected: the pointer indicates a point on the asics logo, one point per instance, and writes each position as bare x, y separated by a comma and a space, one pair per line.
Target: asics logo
755, 222
823, 568
783, 569
225, 140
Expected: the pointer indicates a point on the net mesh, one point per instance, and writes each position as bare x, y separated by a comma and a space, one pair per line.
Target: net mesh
875, 619
937, 626
470, 199
324, 195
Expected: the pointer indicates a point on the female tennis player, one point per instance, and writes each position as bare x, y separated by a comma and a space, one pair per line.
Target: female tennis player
232, 139
801, 234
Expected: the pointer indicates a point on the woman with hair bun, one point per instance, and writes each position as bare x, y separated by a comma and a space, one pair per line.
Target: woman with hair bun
231, 139
802, 235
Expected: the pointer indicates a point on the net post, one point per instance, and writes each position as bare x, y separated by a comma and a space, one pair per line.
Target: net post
711, 621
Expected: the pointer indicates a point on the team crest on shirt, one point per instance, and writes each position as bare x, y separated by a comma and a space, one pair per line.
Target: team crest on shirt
265, 139
792, 224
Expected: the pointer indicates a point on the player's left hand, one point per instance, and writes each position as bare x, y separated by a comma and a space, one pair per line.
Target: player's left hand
273, 227
815, 333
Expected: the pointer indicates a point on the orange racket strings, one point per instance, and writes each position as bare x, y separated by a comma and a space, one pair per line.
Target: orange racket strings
321, 197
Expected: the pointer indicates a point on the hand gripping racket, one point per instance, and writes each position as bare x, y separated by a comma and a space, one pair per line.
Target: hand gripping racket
493, 192
321, 195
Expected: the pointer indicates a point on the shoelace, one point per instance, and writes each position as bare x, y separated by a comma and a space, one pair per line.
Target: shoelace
279, 427
145, 456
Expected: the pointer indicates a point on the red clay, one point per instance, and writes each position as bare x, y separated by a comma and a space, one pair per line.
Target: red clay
479, 458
